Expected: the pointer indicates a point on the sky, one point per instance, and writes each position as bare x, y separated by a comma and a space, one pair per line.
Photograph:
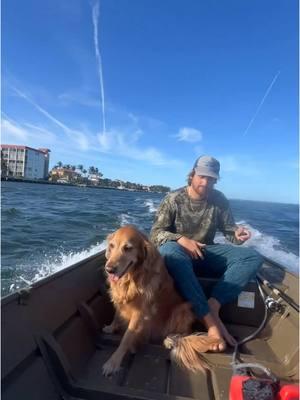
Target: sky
141, 88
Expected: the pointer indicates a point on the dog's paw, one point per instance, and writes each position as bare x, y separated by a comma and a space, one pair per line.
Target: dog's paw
111, 366
108, 329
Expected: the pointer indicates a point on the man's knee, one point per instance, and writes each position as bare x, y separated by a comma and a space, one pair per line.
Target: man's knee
174, 255
254, 255
254, 258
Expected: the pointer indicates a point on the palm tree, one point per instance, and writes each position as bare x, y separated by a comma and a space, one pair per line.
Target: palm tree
59, 164
80, 167
91, 170
98, 173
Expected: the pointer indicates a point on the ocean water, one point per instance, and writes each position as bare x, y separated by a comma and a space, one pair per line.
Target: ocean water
46, 228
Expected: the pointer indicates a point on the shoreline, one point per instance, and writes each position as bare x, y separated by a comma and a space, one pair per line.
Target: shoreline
45, 182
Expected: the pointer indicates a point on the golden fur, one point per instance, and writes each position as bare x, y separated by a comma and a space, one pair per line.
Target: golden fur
147, 303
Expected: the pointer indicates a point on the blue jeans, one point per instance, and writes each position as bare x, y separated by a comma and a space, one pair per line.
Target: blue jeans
235, 266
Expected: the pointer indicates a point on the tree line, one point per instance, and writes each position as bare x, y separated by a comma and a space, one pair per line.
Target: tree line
92, 170
85, 174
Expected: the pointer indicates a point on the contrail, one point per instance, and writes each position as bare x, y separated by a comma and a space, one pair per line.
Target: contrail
79, 136
95, 12
43, 111
261, 103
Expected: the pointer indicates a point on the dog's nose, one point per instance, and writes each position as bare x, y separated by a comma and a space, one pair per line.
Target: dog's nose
111, 269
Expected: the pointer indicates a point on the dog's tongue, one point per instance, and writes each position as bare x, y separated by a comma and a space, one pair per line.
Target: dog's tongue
113, 277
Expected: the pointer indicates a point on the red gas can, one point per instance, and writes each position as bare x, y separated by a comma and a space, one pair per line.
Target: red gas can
244, 387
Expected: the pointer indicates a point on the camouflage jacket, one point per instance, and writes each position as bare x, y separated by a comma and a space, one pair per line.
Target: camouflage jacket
178, 215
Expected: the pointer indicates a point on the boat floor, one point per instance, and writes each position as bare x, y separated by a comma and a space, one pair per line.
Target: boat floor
53, 348
150, 374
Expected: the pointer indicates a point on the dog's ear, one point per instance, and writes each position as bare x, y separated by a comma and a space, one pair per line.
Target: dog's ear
145, 249
110, 236
108, 239
149, 254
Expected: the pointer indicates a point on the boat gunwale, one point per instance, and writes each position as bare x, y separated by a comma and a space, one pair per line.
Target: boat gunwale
13, 296
274, 263
16, 295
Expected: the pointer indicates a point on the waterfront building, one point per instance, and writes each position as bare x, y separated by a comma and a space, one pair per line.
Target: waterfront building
94, 179
63, 175
24, 162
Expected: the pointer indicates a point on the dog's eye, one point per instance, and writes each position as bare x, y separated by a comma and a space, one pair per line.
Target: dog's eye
111, 245
127, 248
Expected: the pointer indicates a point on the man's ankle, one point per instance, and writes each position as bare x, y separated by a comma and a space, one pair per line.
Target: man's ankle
214, 305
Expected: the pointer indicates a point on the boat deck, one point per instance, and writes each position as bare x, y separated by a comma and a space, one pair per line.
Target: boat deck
151, 374
54, 348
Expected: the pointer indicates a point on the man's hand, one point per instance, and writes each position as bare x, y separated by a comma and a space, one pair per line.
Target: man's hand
192, 247
242, 234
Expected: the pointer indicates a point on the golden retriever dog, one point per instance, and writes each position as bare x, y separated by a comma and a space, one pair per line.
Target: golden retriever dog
147, 304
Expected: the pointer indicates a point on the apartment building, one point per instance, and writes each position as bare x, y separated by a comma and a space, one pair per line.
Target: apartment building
24, 162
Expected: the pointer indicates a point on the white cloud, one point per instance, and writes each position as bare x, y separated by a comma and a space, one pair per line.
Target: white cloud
122, 141
125, 145
11, 130
106, 141
26, 134
190, 135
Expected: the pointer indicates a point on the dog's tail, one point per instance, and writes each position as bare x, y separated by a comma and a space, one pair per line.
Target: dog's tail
186, 350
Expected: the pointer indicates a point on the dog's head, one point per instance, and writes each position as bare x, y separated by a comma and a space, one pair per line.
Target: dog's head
126, 249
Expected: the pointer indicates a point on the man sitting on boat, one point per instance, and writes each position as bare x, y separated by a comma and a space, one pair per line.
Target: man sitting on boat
184, 230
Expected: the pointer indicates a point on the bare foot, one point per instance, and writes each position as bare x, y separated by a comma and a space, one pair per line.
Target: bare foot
215, 306
217, 341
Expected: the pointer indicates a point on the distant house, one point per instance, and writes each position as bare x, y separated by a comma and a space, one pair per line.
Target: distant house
24, 162
94, 178
61, 174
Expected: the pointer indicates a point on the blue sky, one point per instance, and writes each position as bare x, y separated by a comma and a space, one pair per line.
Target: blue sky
179, 79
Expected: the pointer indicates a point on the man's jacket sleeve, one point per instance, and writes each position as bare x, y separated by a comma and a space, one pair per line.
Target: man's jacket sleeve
163, 227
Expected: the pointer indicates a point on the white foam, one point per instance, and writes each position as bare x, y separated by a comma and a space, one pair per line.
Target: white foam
268, 246
61, 262
127, 219
150, 204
